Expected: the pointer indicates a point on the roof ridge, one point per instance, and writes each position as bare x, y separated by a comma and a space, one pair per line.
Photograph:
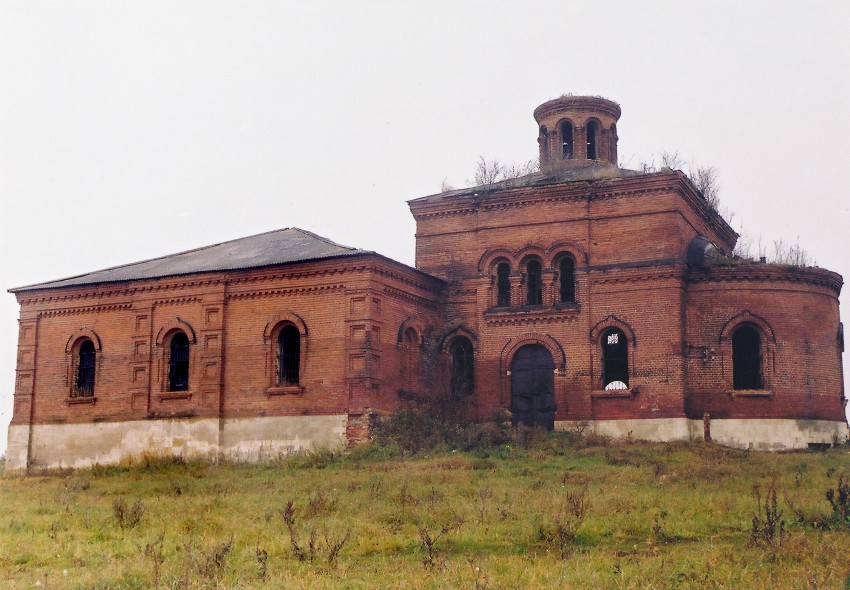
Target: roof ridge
322, 238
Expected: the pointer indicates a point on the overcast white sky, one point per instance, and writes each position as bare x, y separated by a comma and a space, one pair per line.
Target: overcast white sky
130, 130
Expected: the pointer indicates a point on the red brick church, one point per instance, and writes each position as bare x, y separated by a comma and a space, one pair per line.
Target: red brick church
583, 296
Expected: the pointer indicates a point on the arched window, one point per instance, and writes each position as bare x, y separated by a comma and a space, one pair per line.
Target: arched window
544, 139
534, 287
592, 140
410, 359
178, 362
86, 357
463, 367
288, 355
566, 140
746, 358
567, 279
615, 359
503, 285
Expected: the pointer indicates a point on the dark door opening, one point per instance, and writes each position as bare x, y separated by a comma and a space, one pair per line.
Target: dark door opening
533, 387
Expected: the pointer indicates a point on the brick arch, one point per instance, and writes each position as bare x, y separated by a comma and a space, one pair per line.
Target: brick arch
451, 334
554, 252
282, 317
514, 344
747, 317
489, 258
172, 325
613, 321
528, 252
84, 332
417, 326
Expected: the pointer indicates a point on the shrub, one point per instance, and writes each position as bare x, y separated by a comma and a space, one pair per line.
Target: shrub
437, 424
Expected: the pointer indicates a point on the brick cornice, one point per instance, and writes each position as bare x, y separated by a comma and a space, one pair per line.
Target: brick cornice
261, 293
49, 313
770, 273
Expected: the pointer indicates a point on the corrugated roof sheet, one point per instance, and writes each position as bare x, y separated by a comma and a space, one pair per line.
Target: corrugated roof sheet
267, 249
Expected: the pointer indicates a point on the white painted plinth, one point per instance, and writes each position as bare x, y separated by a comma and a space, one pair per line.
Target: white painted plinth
74, 446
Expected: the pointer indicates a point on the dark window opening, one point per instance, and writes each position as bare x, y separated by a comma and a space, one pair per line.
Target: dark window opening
288, 355
566, 140
85, 370
544, 138
567, 277
592, 137
410, 359
746, 358
503, 285
534, 274
615, 360
463, 368
178, 363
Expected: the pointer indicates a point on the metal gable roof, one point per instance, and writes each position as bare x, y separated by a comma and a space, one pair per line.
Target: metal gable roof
267, 249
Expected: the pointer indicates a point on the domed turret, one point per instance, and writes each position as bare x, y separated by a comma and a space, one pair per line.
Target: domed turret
576, 129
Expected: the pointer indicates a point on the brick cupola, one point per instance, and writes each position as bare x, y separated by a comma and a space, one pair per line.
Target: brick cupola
576, 129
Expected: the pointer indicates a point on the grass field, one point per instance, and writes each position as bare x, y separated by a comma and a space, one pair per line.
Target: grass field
540, 511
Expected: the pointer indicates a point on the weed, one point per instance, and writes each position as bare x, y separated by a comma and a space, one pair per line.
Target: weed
839, 499
128, 516
262, 562
768, 524
430, 540
154, 551
561, 534
210, 564
331, 546
483, 495
320, 504
435, 496
659, 529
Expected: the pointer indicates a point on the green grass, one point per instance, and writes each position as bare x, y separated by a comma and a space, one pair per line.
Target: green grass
659, 516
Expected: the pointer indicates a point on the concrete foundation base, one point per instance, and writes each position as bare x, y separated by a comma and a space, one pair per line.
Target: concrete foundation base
757, 434
73, 446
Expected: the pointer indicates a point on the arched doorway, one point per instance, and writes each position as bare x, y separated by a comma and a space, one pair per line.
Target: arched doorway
533, 387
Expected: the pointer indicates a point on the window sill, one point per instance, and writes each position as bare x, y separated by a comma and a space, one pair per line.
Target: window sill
751, 393
170, 395
81, 401
613, 393
278, 390
574, 305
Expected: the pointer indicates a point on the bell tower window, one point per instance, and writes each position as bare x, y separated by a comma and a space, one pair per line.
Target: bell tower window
592, 140
566, 140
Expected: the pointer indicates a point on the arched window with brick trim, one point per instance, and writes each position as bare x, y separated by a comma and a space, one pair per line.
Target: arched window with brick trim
592, 129
288, 356
567, 279
86, 358
746, 358
462, 367
178, 362
534, 282
566, 130
615, 359
503, 285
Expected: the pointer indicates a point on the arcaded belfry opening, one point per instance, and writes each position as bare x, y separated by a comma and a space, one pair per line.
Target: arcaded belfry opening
566, 140
585, 128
